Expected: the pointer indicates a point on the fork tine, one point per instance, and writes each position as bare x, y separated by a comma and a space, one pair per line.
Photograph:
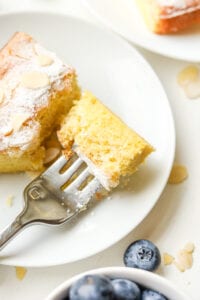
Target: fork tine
90, 189
64, 177
57, 165
77, 182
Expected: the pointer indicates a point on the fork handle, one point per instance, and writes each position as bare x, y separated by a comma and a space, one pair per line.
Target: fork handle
10, 231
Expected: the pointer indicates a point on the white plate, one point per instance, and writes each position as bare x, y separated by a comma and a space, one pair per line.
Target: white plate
123, 17
123, 80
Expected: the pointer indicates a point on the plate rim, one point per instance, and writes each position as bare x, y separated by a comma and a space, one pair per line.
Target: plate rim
135, 40
170, 120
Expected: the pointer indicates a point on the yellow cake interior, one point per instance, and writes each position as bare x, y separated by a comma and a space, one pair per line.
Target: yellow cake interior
150, 12
103, 139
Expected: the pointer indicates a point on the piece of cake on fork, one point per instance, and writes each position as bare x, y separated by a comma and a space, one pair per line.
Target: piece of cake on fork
108, 146
168, 16
36, 89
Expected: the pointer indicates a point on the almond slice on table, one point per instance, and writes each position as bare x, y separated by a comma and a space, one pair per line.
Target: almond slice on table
184, 259
189, 79
189, 247
187, 75
178, 174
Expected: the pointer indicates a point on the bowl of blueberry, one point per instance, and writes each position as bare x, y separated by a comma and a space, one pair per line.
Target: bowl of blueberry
135, 281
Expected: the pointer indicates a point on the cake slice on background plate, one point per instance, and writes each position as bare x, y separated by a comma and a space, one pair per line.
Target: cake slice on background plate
168, 16
108, 146
36, 89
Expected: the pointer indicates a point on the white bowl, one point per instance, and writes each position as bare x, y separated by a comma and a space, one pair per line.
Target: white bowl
144, 278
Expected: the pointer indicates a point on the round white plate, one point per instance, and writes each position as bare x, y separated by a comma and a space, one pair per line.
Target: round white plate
123, 80
123, 17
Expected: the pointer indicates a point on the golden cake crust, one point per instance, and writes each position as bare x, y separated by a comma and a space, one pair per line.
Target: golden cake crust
36, 89
163, 18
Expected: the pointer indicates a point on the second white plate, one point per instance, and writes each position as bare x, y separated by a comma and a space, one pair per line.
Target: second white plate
124, 18
117, 74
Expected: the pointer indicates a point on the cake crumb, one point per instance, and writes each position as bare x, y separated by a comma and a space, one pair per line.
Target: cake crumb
98, 196
20, 272
9, 200
167, 259
178, 174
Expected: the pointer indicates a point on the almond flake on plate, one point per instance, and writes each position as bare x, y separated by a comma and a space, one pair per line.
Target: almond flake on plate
34, 80
20, 272
178, 174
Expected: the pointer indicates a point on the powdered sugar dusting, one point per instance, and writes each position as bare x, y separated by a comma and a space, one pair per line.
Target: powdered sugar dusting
22, 100
173, 8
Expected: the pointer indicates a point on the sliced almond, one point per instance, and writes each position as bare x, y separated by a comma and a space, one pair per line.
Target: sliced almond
189, 247
8, 132
187, 75
167, 259
51, 154
34, 80
1, 95
44, 60
184, 259
18, 120
192, 90
20, 272
179, 266
178, 174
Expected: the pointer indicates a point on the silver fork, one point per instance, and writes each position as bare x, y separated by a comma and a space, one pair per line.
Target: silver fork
55, 197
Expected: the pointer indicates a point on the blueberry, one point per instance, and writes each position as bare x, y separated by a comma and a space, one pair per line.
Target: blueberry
125, 289
92, 287
142, 254
152, 295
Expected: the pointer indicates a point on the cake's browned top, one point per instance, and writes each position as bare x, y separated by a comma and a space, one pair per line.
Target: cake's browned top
29, 75
173, 8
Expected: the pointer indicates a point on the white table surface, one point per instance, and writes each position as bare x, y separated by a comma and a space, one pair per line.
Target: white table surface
174, 220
